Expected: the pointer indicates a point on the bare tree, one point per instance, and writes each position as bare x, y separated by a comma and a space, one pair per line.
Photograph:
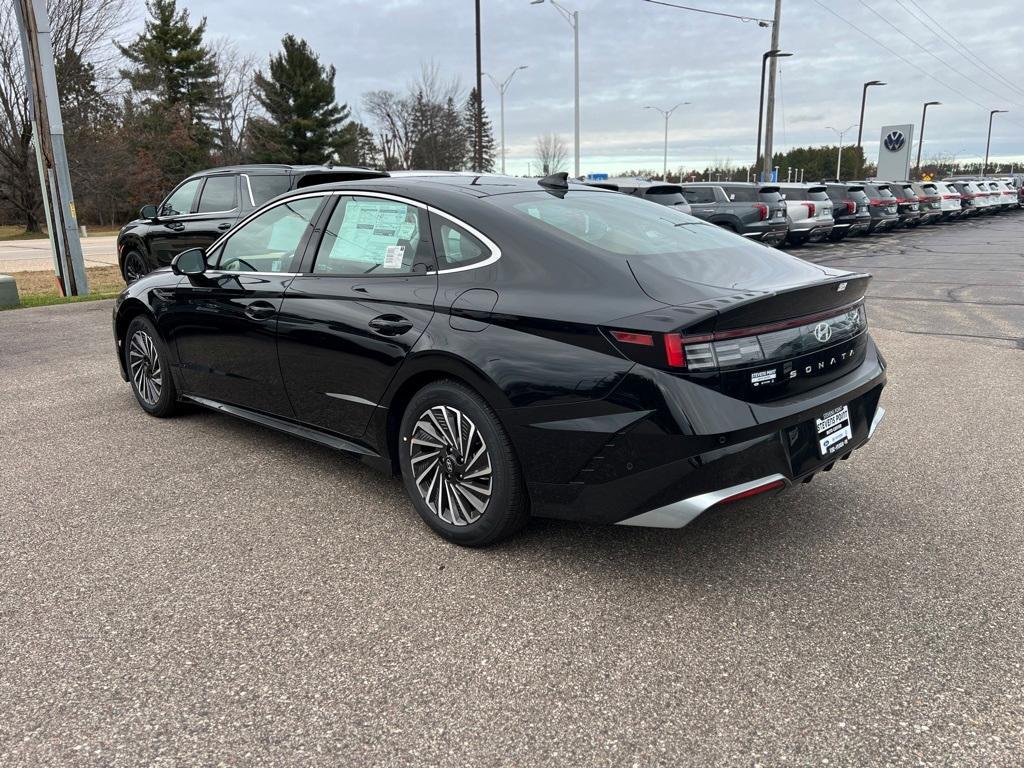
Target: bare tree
551, 153
234, 100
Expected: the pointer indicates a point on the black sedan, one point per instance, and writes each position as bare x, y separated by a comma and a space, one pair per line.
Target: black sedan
513, 347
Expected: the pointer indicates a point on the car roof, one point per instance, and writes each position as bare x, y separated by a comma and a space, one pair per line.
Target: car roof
627, 182
284, 169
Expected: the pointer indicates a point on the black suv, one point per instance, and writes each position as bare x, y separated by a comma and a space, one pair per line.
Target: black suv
882, 206
908, 202
207, 204
658, 192
850, 205
756, 213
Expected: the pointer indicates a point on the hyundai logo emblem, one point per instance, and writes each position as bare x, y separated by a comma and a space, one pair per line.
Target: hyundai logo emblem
894, 141
823, 332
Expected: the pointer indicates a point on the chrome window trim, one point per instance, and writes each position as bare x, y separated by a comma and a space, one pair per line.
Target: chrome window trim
248, 186
256, 274
488, 243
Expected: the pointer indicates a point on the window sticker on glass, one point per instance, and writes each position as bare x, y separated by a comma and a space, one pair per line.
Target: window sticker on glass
369, 228
393, 256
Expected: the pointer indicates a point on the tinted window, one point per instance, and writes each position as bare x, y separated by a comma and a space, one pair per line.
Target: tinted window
769, 195
181, 199
859, 195
819, 195
370, 235
456, 247
218, 194
267, 242
741, 194
699, 194
666, 197
266, 188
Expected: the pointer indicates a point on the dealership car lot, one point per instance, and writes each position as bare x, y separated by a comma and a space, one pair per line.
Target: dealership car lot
190, 590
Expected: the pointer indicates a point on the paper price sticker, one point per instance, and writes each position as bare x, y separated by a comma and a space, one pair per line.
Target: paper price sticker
393, 256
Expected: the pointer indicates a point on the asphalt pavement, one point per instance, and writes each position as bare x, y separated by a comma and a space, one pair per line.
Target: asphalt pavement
201, 591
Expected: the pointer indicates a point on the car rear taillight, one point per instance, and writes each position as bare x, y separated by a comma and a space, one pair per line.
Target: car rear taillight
810, 207
710, 352
851, 206
762, 210
951, 197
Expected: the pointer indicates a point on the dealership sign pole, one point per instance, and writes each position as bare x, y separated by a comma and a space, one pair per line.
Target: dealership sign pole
51, 157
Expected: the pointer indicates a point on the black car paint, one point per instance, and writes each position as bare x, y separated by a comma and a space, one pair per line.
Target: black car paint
847, 222
600, 436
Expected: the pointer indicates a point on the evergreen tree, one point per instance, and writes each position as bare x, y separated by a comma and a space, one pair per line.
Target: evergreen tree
171, 66
303, 122
474, 107
438, 134
361, 148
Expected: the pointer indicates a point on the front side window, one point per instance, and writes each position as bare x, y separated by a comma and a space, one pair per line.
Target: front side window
698, 195
372, 235
180, 201
267, 243
218, 194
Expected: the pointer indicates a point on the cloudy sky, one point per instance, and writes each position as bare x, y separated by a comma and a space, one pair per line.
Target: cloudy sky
635, 53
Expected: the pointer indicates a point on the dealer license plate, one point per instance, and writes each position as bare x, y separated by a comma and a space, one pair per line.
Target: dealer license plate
834, 430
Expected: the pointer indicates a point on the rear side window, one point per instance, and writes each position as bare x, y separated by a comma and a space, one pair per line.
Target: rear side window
769, 195
741, 194
455, 246
218, 194
371, 235
818, 196
268, 187
699, 194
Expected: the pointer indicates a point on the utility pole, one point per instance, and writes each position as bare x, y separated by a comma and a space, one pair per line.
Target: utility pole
666, 113
48, 137
988, 142
573, 18
479, 127
769, 130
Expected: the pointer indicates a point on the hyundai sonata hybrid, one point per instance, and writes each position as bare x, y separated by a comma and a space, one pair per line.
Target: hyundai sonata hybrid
515, 347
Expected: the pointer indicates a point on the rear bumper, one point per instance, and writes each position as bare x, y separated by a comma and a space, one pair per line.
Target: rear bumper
682, 512
681, 455
771, 232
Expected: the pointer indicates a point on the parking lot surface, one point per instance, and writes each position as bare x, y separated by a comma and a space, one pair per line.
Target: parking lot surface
203, 591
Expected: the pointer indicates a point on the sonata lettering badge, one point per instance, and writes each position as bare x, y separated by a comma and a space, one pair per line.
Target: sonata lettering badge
834, 430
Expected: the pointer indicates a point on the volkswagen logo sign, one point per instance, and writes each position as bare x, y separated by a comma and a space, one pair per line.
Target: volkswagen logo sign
894, 141
823, 332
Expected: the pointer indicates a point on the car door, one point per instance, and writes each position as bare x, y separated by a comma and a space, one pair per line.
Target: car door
702, 201
224, 322
364, 297
216, 211
167, 234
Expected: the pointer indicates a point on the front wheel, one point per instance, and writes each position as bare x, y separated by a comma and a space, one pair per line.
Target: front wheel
459, 467
148, 365
134, 267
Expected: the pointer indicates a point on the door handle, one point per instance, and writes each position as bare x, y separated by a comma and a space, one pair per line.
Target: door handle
224, 225
390, 325
260, 310
175, 226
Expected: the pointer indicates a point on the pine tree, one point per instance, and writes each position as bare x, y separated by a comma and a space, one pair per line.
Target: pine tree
303, 123
473, 107
172, 67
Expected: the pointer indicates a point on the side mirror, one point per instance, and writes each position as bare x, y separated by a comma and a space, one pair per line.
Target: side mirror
191, 262
149, 212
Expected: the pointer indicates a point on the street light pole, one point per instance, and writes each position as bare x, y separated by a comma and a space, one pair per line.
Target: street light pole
988, 142
863, 101
502, 87
839, 157
573, 17
920, 138
766, 163
666, 113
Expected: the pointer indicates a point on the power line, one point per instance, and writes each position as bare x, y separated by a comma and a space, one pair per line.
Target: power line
923, 48
973, 58
762, 22
905, 60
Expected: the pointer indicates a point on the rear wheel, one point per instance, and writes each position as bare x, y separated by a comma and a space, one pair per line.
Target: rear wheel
459, 468
134, 267
147, 363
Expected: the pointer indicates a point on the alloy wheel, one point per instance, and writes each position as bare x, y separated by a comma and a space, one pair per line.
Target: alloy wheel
134, 268
451, 465
144, 366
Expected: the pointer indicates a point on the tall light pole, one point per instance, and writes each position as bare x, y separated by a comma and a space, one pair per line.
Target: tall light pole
573, 17
502, 87
772, 54
667, 113
988, 142
920, 138
839, 157
863, 101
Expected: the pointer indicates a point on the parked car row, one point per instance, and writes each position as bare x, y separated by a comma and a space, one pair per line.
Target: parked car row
829, 210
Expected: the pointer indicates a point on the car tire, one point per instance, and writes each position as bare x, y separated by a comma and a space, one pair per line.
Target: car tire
459, 467
133, 266
149, 371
